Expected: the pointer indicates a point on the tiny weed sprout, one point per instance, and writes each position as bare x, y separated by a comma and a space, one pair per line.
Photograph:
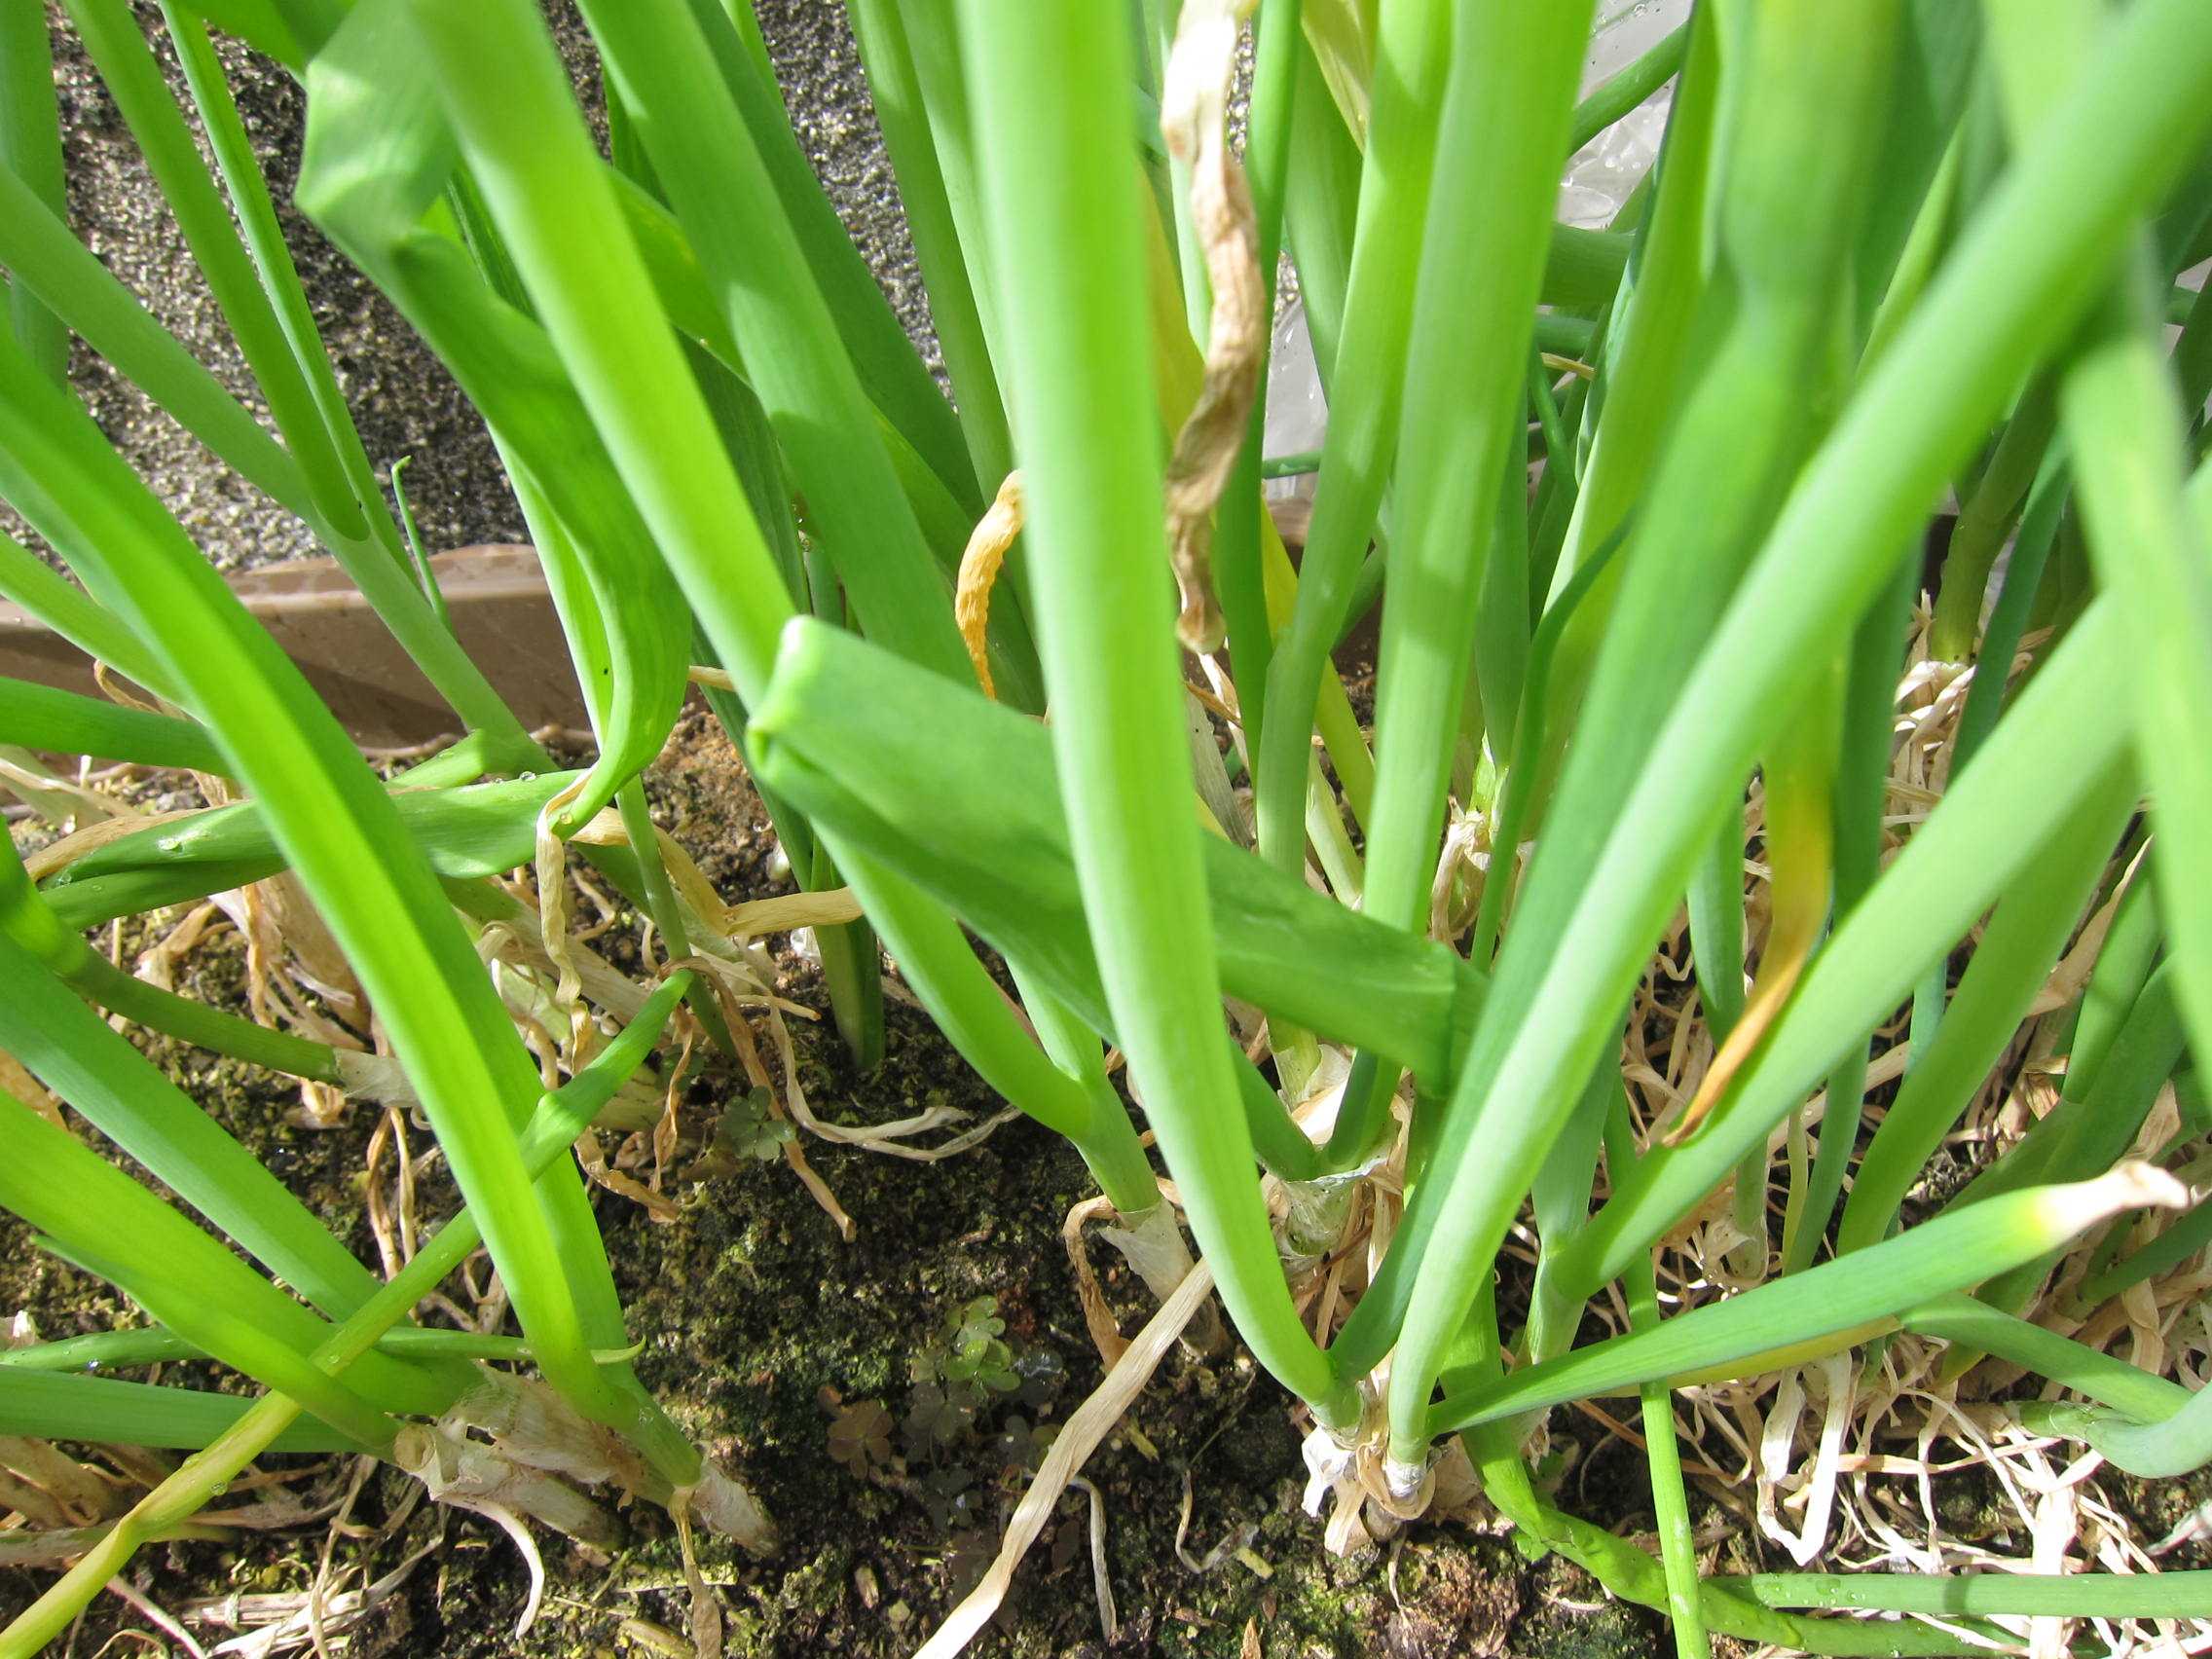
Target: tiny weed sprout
1679, 898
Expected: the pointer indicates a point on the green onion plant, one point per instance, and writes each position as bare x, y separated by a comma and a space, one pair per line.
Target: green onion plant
1650, 516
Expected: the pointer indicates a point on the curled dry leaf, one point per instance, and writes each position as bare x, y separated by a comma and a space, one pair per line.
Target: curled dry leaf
1097, 1317
1194, 110
980, 565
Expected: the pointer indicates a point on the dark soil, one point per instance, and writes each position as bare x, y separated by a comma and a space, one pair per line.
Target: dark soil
761, 1327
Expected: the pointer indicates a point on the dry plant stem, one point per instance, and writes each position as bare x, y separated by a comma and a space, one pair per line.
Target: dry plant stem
469, 1475
1090, 1423
1194, 119
1097, 1317
1151, 1241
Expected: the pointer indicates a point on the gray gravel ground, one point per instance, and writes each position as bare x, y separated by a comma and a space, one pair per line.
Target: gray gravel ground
403, 401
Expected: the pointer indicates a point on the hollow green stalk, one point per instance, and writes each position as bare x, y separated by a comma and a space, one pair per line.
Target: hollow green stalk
185, 1279
1669, 1503
1855, 1294
933, 35
1058, 206
2125, 431
2020, 275
257, 212
1533, 747
960, 797
873, 339
124, 1096
377, 160
45, 716
720, 186
367, 545
1629, 1572
1948, 873
2181, 1240
557, 207
1320, 212
1238, 573
2008, 618
1507, 94
99, 980
155, 1344
43, 258
2092, 1126
65, 607
851, 968
554, 1125
1861, 800
338, 832
466, 831
1986, 519
2004, 1594
1629, 85
1689, 549
30, 149
903, 112
1642, 375
1414, 38
1964, 1321
111, 1412
2010, 962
